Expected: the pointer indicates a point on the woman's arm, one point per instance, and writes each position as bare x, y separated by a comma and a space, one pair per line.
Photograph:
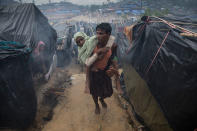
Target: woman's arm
90, 60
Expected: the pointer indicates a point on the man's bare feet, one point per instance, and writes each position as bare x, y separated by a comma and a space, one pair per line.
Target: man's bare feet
104, 105
97, 110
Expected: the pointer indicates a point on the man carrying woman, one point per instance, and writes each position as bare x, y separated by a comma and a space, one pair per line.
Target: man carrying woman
101, 63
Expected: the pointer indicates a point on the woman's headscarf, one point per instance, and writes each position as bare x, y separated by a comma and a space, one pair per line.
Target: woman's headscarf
82, 34
86, 50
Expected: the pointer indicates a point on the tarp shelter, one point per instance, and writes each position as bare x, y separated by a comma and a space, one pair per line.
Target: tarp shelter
24, 23
76, 11
126, 11
118, 12
17, 95
160, 72
137, 12
22, 26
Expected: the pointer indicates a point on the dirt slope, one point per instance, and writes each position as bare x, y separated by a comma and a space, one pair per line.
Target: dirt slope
75, 112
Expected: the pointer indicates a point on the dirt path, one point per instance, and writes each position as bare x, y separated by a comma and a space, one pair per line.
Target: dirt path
75, 112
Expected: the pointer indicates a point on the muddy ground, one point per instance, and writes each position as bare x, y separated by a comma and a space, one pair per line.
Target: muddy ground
63, 106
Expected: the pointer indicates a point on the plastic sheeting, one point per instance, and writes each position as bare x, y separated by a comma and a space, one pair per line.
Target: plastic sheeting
24, 23
22, 26
171, 78
10, 49
17, 96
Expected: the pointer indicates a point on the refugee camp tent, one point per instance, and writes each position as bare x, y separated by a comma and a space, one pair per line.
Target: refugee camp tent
17, 95
7, 2
160, 71
118, 12
126, 11
24, 23
22, 26
137, 12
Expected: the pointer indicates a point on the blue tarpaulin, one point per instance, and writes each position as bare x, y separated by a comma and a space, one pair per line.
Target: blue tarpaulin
118, 12
126, 11
137, 12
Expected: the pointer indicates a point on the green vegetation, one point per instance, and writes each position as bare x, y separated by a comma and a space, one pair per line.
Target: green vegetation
94, 7
149, 12
183, 3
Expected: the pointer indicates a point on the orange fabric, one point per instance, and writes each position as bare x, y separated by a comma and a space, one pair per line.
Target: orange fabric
128, 31
102, 63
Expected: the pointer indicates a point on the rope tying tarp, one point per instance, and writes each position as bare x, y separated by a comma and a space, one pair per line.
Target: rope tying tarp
157, 52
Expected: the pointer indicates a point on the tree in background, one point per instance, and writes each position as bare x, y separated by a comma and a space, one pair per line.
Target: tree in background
184, 3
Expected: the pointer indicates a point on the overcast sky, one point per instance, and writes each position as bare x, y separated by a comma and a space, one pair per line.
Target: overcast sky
81, 2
